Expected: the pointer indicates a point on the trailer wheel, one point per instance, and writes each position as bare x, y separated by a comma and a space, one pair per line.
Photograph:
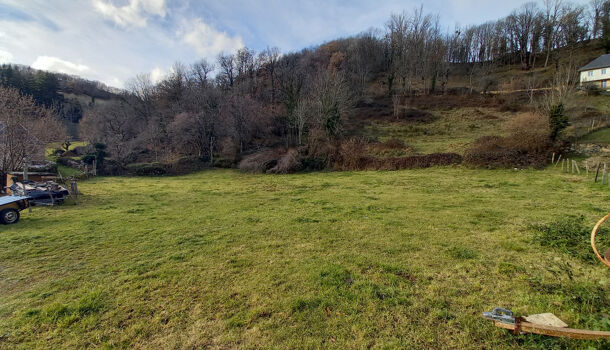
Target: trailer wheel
9, 216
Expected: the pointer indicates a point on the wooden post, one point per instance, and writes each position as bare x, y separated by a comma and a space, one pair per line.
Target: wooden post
558, 159
25, 168
553, 158
50, 194
604, 175
576, 166
94, 168
596, 172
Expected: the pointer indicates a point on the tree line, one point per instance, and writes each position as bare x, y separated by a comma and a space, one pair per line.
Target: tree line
250, 101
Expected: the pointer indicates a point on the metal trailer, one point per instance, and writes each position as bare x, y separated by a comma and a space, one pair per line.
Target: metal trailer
10, 206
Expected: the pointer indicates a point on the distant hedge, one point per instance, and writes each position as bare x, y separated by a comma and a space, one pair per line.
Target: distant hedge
396, 163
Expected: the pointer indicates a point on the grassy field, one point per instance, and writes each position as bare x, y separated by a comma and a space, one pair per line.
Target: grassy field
221, 259
600, 137
450, 131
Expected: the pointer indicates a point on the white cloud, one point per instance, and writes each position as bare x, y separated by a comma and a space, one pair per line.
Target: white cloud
207, 41
157, 74
113, 82
133, 13
5, 57
55, 64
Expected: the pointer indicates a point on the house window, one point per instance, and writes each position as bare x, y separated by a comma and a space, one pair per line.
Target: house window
590, 73
604, 83
604, 71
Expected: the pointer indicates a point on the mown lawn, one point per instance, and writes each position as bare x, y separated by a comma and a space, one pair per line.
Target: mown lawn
221, 259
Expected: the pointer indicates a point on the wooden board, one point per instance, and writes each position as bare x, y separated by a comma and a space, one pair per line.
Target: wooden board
546, 319
528, 327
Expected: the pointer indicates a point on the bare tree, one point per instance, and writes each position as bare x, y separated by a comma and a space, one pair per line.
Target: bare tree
563, 87
269, 62
330, 100
227, 74
552, 11
25, 129
522, 23
114, 126
200, 72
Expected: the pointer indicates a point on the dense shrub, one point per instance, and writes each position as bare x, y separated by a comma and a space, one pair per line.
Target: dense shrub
527, 144
592, 90
224, 162
313, 163
414, 162
558, 120
185, 165
69, 162
88, 158
111, 168
352, 155
289, 162
492, 151
260, 162
57, 152
81, 150
528, 132
146, 169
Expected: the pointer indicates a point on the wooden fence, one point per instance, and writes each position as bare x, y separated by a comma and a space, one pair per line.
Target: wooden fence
571, 166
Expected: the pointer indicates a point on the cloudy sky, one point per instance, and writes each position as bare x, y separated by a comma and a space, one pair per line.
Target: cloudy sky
113, 40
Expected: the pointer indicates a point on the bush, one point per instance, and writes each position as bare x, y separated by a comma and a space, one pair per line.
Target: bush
57, 152
260, 162
314, 163
527, 144
416, 162
111, 168
528, 132
352, 156
88, 158
558, 121
81, 150
224, 163
69, 162
289, 162
185, 165
146, 169
592, 90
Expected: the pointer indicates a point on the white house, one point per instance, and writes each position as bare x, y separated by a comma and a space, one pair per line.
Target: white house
597, 72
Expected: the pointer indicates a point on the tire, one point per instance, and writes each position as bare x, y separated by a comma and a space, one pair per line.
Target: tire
9, 216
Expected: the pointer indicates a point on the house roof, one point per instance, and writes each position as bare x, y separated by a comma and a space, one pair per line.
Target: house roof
602, 61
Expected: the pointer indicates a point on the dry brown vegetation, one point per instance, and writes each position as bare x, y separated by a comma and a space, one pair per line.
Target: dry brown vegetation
526, 144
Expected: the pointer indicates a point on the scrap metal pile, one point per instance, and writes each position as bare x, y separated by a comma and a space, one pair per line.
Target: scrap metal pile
41, 193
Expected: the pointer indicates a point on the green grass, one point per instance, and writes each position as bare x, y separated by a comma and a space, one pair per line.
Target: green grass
57, 145
221, 259
452, 131
600, 136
